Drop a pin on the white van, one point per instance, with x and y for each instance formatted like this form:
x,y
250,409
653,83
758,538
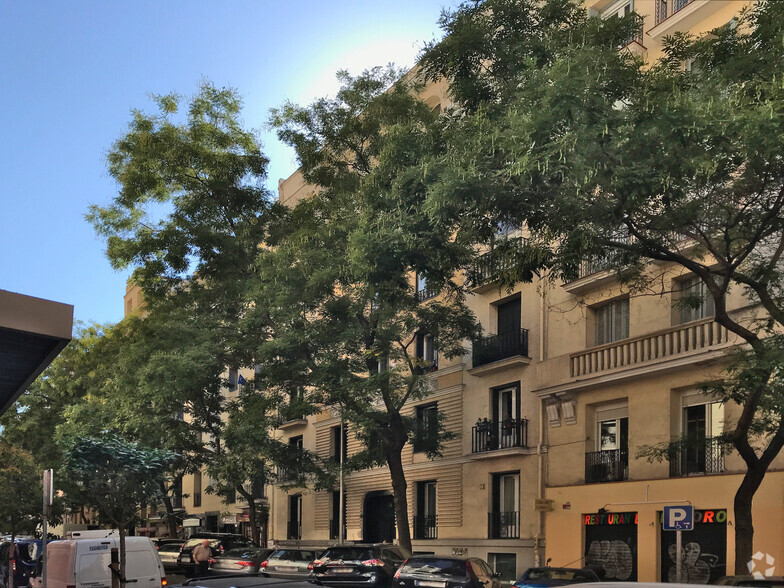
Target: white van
x,y
84,563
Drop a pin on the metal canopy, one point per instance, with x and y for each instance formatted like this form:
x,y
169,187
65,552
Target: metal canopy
x,y
32,332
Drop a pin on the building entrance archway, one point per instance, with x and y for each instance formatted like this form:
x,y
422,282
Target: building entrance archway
x,y
378,518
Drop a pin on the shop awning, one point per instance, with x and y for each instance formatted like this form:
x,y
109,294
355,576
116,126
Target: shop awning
x,y
32,332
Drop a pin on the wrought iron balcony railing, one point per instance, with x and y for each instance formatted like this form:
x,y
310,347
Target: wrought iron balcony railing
x,y
488,267
426,294
697,457
294,530
503,525
666,8
426,527
606,466
497,347
489,435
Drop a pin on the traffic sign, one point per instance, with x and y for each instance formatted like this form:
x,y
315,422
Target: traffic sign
x,y
678,518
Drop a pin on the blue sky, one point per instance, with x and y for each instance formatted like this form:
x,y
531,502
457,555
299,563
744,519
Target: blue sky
x,y
72,71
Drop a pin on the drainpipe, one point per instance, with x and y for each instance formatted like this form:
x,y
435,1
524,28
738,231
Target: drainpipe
x,y
539,487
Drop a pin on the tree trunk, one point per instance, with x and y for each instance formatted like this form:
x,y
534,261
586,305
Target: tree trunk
x,y
122,530
744,529
171,520
395,443
254,526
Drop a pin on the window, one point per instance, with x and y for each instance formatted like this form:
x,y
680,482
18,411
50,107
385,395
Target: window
x,y
426,522
423,292
506,229
176,493
612,322
197,489
508,316
334,523
426,351
232,380
295,517
610,460
701,424
231,496
504,564
339,443
505,513
426,433
693,300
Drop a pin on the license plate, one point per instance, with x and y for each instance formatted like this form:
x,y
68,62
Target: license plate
x,y
341,570
285,569
429,584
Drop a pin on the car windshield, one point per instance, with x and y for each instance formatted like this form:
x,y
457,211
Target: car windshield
x,y
191,543
294,555
447,567
28,552
558,574
347,553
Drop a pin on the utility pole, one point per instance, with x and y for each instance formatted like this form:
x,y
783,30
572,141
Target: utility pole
x,y
341,498
45,514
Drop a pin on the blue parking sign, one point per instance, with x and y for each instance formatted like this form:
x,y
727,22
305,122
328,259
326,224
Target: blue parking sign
x,y
678,518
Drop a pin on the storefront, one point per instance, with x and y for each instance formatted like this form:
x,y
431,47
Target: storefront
x,y
611,544
704,549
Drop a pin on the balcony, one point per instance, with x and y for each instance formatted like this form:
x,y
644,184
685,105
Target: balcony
x,y
669,344
607,466
426,527
488,267
503,525
426,294
697,457
499,347
489,435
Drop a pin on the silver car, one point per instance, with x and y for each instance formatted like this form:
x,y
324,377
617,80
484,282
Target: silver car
x,y
169,553
288,563
239,560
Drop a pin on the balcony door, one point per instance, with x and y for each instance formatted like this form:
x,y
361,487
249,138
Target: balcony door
x,y
509,317
506,415
506,506
701,423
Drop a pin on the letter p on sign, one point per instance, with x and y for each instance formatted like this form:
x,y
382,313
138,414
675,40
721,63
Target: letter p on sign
x,y
678,518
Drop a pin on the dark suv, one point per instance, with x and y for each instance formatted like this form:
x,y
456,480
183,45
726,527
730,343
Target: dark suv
x,y
27,553
219,542
358,564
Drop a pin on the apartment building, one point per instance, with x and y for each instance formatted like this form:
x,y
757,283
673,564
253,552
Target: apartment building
x,y
196,509
552,408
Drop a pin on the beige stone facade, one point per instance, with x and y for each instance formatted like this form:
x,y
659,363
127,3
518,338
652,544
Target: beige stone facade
x,y
552,474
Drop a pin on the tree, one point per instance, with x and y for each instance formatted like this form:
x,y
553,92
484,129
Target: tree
x,y
336,293
196,264
20,497
117,478
602,156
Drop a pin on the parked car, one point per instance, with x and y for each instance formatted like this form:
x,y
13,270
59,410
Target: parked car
x,y
288,563
169,553
219,543
23,565
239,560
538,577
764,582
362,564
439,572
